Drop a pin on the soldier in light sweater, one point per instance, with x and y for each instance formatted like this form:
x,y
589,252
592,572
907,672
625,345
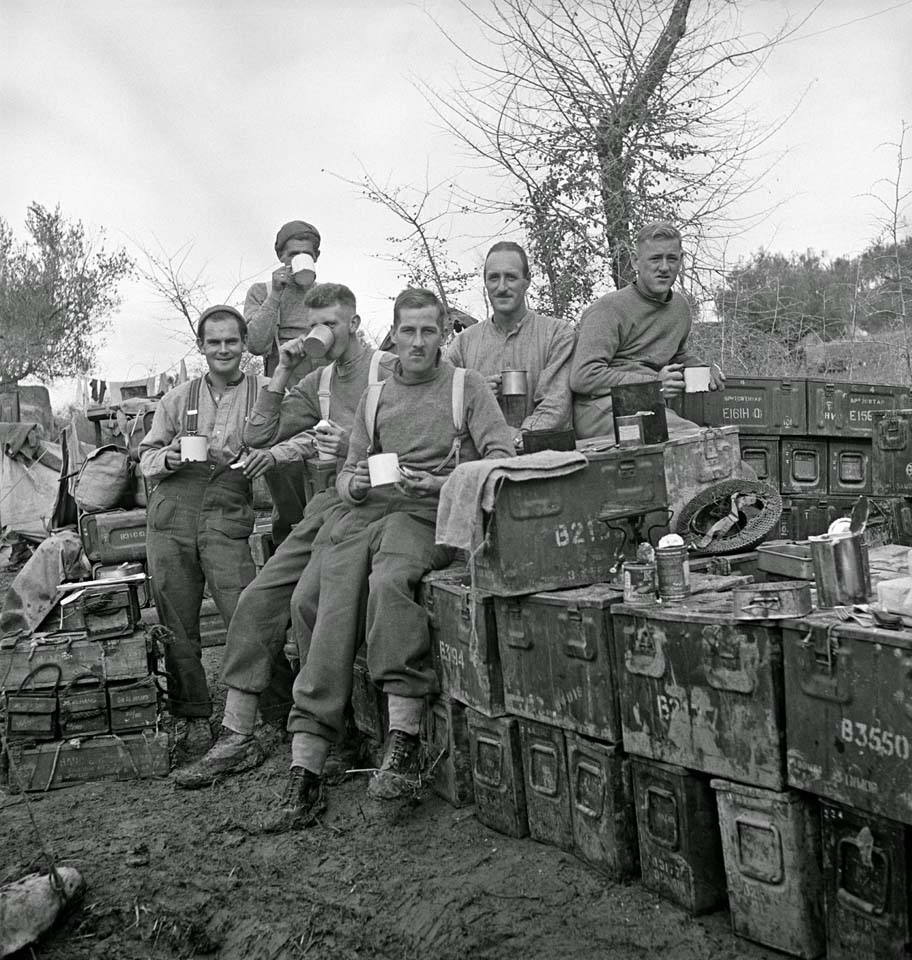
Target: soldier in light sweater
x,y
638,333
385,544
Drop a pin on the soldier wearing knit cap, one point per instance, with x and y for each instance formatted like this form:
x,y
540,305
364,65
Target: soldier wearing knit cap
x,y
276,313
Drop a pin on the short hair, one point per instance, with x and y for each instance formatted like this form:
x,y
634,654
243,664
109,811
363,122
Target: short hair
x,y
328,295
508,246
220,311
416,298
659,230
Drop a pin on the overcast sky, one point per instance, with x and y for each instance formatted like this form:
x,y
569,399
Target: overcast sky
x,y
212,123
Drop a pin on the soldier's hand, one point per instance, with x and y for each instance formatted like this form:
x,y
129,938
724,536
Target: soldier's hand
x,y
173,460
257,462
332,440
672,377
418,483
281,277
292,352
360,483
494,382
716,377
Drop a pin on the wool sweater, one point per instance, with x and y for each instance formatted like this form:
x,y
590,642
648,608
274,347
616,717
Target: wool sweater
x,y
277,314
540,345
276,417
627,337
415,420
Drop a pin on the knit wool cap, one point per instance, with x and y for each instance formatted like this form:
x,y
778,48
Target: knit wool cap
x,y
222,308
297,230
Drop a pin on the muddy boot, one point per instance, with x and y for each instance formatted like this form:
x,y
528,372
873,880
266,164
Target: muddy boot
x,y
300,805
398,776
231,753
192,738
341,758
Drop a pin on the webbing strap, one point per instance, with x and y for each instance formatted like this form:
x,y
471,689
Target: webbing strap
x,y
324,392
253,391
372,394
459,376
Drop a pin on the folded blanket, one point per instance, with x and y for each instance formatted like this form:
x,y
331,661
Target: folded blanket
x,y
472,487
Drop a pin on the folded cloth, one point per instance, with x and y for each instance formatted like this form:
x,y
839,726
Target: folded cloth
x,y
472,487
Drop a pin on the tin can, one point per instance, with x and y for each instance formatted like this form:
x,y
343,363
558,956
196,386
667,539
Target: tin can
x,y
639,583
672,573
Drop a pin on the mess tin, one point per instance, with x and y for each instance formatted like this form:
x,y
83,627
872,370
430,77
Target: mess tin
x,y
194,448
513,383
778,600
318,341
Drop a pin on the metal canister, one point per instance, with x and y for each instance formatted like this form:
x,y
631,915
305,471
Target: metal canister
x,y
639,583
841,570
672,572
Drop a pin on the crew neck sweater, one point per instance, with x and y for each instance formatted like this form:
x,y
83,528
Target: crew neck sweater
x,y
415,420
627,337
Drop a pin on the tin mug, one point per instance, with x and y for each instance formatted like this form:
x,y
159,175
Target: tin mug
x,y
320,454
697,379
303,269
384,469
318,341
194,448
513,383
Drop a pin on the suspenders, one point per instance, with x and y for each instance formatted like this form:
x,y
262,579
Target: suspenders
x,y
372,402
324,392
191,414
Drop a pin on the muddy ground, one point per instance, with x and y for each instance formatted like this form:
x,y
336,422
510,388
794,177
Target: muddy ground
x,y
179,875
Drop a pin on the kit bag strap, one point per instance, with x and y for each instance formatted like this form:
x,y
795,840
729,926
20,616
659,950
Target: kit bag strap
x,y
458,404
191,417
371,403
253,391
324,392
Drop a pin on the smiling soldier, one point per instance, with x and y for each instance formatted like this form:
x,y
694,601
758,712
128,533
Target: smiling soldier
x,y
636,334
517,338
200,513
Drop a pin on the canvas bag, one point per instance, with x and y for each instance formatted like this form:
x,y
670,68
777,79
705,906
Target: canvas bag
x,y
104,479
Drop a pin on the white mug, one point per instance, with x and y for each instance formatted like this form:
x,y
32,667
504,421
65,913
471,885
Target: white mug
x,y
194,448
320,454
384,469
697,379
303,269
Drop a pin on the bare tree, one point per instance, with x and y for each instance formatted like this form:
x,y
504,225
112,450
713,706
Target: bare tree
x,y
601,116
423,252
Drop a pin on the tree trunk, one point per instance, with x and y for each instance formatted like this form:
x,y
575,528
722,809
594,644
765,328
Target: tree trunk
x,y
611,132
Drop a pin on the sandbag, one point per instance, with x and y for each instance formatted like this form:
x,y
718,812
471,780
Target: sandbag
x,y
104,479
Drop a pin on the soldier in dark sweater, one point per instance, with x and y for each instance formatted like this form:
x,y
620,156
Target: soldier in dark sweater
x,y
638,333
385,544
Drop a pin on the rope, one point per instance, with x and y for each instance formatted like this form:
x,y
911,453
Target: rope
x,y
57,884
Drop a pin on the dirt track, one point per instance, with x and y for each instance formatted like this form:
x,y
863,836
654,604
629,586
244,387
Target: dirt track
x,y
184,875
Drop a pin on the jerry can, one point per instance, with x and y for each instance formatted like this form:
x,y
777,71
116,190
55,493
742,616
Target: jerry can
x,y
554,533
602,807
678,829
133,705
866,863
497,773
771,844
556,651
464,644
701,690
447,748
848,698
804,467
850,409
83,707
544,756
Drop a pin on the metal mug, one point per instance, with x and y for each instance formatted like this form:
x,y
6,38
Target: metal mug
x,y
318,341
194,448
320,454
303,269
840,569
513,383
697,379
384,469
